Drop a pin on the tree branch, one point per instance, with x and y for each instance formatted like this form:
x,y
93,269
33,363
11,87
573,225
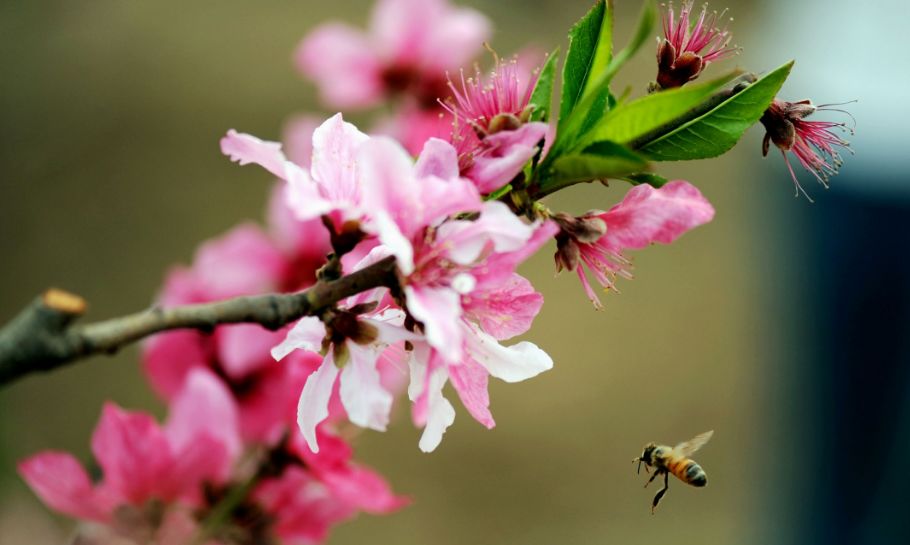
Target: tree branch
x,y
42,337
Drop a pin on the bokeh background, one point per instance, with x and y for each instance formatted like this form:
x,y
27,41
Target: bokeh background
x,y
783,325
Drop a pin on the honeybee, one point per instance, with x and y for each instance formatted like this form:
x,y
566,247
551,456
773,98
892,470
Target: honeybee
x,y
675,460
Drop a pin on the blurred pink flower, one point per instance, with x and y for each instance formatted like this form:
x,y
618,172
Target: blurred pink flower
x,y
687,48
243,262
412,126
318,491
408,49
141,461
646,215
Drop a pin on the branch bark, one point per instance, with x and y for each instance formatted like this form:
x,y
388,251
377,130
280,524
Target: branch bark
x,y
42,337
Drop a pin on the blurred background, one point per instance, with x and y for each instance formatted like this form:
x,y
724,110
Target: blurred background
x,y
782,325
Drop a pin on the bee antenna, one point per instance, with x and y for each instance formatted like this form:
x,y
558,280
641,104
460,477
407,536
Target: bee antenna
x,y
637,471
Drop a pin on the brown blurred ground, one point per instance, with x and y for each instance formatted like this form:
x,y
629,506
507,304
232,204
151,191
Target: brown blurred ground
x,y
110,113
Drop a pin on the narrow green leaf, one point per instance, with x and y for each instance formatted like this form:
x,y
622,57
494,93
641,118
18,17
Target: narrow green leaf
x,y
583,39
633,119
598,162
603,53
542,96
654,180
718,130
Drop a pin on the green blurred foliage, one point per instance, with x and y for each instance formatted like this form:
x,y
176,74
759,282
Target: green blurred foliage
x,y
110,115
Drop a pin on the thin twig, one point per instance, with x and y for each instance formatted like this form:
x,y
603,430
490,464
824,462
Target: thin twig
x,y
42,337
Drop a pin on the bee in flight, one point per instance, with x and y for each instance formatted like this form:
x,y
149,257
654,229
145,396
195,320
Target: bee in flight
x,y
675,460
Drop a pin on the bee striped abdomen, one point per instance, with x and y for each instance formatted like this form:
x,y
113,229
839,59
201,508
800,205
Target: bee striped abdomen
x,y
688,471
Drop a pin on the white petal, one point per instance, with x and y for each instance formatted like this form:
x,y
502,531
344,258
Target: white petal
x,y
440,413
365,400
307,334
313,407
509,363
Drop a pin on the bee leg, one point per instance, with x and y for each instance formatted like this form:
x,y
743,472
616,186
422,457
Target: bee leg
x,y
653,476
661,492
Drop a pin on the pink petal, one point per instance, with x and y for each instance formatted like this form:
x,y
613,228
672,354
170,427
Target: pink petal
x,y
134,455
168,357
498,268
244,349
246,148
439,309
313,407
503,155
470,381
306,240
504,310
365,400
364,489
456,39
269,409
205,409
647,215
244,261
438,158
63,485
344,64
336,144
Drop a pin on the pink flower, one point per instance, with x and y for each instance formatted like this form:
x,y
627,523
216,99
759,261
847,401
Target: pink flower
x,y
408,49
330,187
243,262
491,129
813,142
687,48
501,305
141,461
353,346
317,491
596,241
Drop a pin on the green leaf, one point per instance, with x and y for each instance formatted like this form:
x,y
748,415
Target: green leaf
x,y
636,118
718,130
583,43
542,96
654,180
603,53
596,102
494,196
597,162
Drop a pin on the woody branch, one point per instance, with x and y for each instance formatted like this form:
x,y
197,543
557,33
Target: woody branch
x,y
43,337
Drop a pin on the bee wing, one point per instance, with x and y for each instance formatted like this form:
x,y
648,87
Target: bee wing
x,y
687,448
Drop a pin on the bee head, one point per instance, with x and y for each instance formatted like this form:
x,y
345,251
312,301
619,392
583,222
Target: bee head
x,y
646,456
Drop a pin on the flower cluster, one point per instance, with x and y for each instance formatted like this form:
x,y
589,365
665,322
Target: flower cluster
x,y
447,194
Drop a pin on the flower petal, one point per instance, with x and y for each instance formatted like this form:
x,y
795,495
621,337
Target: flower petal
x,y
439,309
440,413
63,485
344,64
313,407
504,310
509,363
307,334
204,409
470,381
365,400
246,148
